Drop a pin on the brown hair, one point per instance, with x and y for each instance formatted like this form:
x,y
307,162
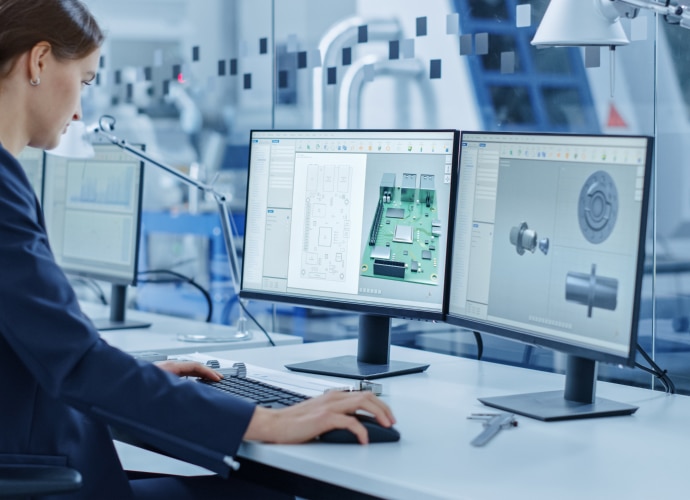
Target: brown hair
x,y
67,25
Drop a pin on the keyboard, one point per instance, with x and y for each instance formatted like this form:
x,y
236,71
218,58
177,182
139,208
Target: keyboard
x,y
236,383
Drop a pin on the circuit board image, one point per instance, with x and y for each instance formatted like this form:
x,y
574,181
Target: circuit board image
x,y
403,242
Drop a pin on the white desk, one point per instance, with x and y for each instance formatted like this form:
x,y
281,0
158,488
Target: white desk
x,y
639,456
161,336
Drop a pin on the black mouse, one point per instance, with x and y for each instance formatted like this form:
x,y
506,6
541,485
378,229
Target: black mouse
x,y
377,433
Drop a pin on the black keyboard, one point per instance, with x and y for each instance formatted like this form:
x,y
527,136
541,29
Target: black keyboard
x,y
260,393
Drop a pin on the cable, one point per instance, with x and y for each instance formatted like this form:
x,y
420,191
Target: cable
x,y
244,308
184,279
480,344
225,316
94,287
655,370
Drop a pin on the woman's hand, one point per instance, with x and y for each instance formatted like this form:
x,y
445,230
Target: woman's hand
x,y
306,420
189,369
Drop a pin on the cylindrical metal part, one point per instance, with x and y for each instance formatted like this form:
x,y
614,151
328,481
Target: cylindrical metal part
x,y
591,290
523,238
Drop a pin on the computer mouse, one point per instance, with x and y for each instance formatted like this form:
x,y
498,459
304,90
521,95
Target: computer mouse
x,y
377,433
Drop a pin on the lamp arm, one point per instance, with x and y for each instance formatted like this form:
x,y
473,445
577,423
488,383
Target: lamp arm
x,y
672,11
107,123
228,233
121,143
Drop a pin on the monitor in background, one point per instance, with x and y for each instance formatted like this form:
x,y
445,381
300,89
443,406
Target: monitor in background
x,y
31,160
92,211
352,220
548,249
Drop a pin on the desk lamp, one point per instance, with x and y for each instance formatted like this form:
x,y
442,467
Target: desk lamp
x,y
76,143
568,23
597,22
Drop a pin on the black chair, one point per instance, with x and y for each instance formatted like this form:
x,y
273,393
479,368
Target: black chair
x,y
28,480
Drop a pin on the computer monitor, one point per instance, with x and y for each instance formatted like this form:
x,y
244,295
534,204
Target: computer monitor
x,y
31,160
355,220
92,209
548,249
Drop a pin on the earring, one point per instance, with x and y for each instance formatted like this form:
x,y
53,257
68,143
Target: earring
x,y
36,82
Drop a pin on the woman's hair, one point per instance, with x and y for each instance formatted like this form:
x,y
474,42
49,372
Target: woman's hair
x,y
67,25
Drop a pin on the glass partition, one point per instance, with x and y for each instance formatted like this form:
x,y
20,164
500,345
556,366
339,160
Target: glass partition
x,y
191,78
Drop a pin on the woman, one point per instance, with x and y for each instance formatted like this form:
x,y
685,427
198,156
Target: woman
x,y
63,385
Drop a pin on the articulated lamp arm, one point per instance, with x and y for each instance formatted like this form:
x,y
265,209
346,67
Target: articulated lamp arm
x,y
106,124
672,12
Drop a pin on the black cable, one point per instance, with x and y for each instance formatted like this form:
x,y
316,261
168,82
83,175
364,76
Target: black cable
x,y
244,308
181,278
655,370
225,317
94,287
480,344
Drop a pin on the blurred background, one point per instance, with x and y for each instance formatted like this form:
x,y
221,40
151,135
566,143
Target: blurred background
x,y
191,78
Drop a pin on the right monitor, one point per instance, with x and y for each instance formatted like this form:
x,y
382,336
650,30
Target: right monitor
x,y
548,249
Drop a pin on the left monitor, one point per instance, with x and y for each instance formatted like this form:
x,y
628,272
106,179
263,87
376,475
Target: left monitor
x,y
92,209
353,220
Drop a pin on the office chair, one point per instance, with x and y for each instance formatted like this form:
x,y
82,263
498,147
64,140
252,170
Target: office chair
x,y
20,480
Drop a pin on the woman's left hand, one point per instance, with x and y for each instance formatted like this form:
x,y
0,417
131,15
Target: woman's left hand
x,y
189,369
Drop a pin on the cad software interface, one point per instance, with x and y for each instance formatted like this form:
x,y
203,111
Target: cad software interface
x,y
547,235
92,210
349,216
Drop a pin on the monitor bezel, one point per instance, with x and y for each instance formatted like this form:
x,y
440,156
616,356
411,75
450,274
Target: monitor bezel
x,y
402,312
535,339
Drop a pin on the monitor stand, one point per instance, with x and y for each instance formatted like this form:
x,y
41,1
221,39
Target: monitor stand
x,y
373,355
577,401
118,306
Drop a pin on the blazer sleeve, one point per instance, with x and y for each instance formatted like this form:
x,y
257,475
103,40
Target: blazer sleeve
x,y
42,322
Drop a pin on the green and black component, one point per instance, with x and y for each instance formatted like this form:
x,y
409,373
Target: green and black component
x,y
374,233
404,236
392,269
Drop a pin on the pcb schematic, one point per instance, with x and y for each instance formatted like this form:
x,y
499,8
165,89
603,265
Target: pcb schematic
x,y
327,224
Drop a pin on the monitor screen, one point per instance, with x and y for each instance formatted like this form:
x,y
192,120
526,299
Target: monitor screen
x,y
31,160
549,240
92,210
351,219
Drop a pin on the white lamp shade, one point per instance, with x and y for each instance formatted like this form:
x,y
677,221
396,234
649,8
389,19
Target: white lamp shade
x,y
579,23
74,143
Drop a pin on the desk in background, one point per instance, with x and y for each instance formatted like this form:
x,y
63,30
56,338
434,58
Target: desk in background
x,y
161,336
639,456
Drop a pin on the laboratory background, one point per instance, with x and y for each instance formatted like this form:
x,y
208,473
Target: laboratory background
x,y
191,78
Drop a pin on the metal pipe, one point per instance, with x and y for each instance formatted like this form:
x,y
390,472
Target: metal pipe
x,y
405,71
337,37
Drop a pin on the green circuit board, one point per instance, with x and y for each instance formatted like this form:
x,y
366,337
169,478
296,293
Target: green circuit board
x,y
403,242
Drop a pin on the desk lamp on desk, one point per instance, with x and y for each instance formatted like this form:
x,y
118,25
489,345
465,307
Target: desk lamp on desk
x,y
77,143
551,253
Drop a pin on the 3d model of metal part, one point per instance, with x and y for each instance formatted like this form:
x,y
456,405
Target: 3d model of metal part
x,y
524,238
591,290
597,208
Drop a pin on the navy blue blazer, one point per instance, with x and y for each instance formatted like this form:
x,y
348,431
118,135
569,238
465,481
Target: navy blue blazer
x,y
62,385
